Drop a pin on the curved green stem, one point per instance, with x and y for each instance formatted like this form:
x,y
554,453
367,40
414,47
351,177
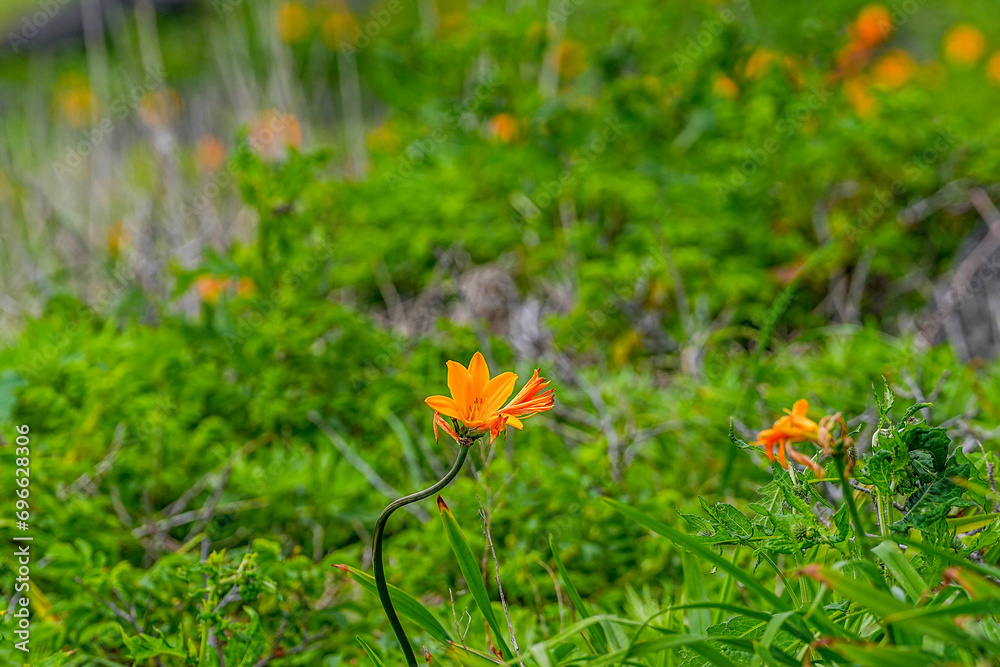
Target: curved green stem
x,y
852,508
380,584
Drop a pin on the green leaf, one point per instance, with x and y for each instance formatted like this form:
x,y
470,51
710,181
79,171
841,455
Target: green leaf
x,y
735,439
871,655
883,604
404,603
878,470
369,651
706,554
469,566
913,409
735,521
886,400
246,644
146,647
10,382
694,591
597,634
932,502
901,569
918,437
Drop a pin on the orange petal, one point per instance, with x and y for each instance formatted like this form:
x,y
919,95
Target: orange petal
x,y
781,455
497,391
444,405
459,383
480,373
806,461
800,408
515,422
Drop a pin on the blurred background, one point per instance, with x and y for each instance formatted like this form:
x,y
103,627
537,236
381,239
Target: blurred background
x,y
241,238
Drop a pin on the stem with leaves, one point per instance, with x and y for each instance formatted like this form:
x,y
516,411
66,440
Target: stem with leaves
x,y
380,583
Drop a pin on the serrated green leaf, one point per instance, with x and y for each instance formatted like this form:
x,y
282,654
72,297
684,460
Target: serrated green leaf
x,y
735,521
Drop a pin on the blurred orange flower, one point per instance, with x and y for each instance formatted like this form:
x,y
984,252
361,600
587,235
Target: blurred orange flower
x,y
760,62
292,19
337,30
117,237
873,26
159,108
503,127
245,287
723,86
993,68
476,400
210,153
571,59
273,133
964,44
384,138
856,89
452,23
76,101
795,426
893,69
210,288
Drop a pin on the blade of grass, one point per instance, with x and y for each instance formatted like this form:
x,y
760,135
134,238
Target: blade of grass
x,y
901,569
407,605
370,652
469,566
596,633
694,591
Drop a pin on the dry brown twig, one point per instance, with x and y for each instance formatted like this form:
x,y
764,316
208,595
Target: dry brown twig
x,y
487,519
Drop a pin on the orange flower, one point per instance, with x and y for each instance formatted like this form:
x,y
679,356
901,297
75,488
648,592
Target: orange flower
x,y
337,28
723,86
273,133
964,45
760,62
77,102
159,108
475,402
793,427
570,58
893,69
210,153
873,25
210,288
860,97
993,68
503,127
292,20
